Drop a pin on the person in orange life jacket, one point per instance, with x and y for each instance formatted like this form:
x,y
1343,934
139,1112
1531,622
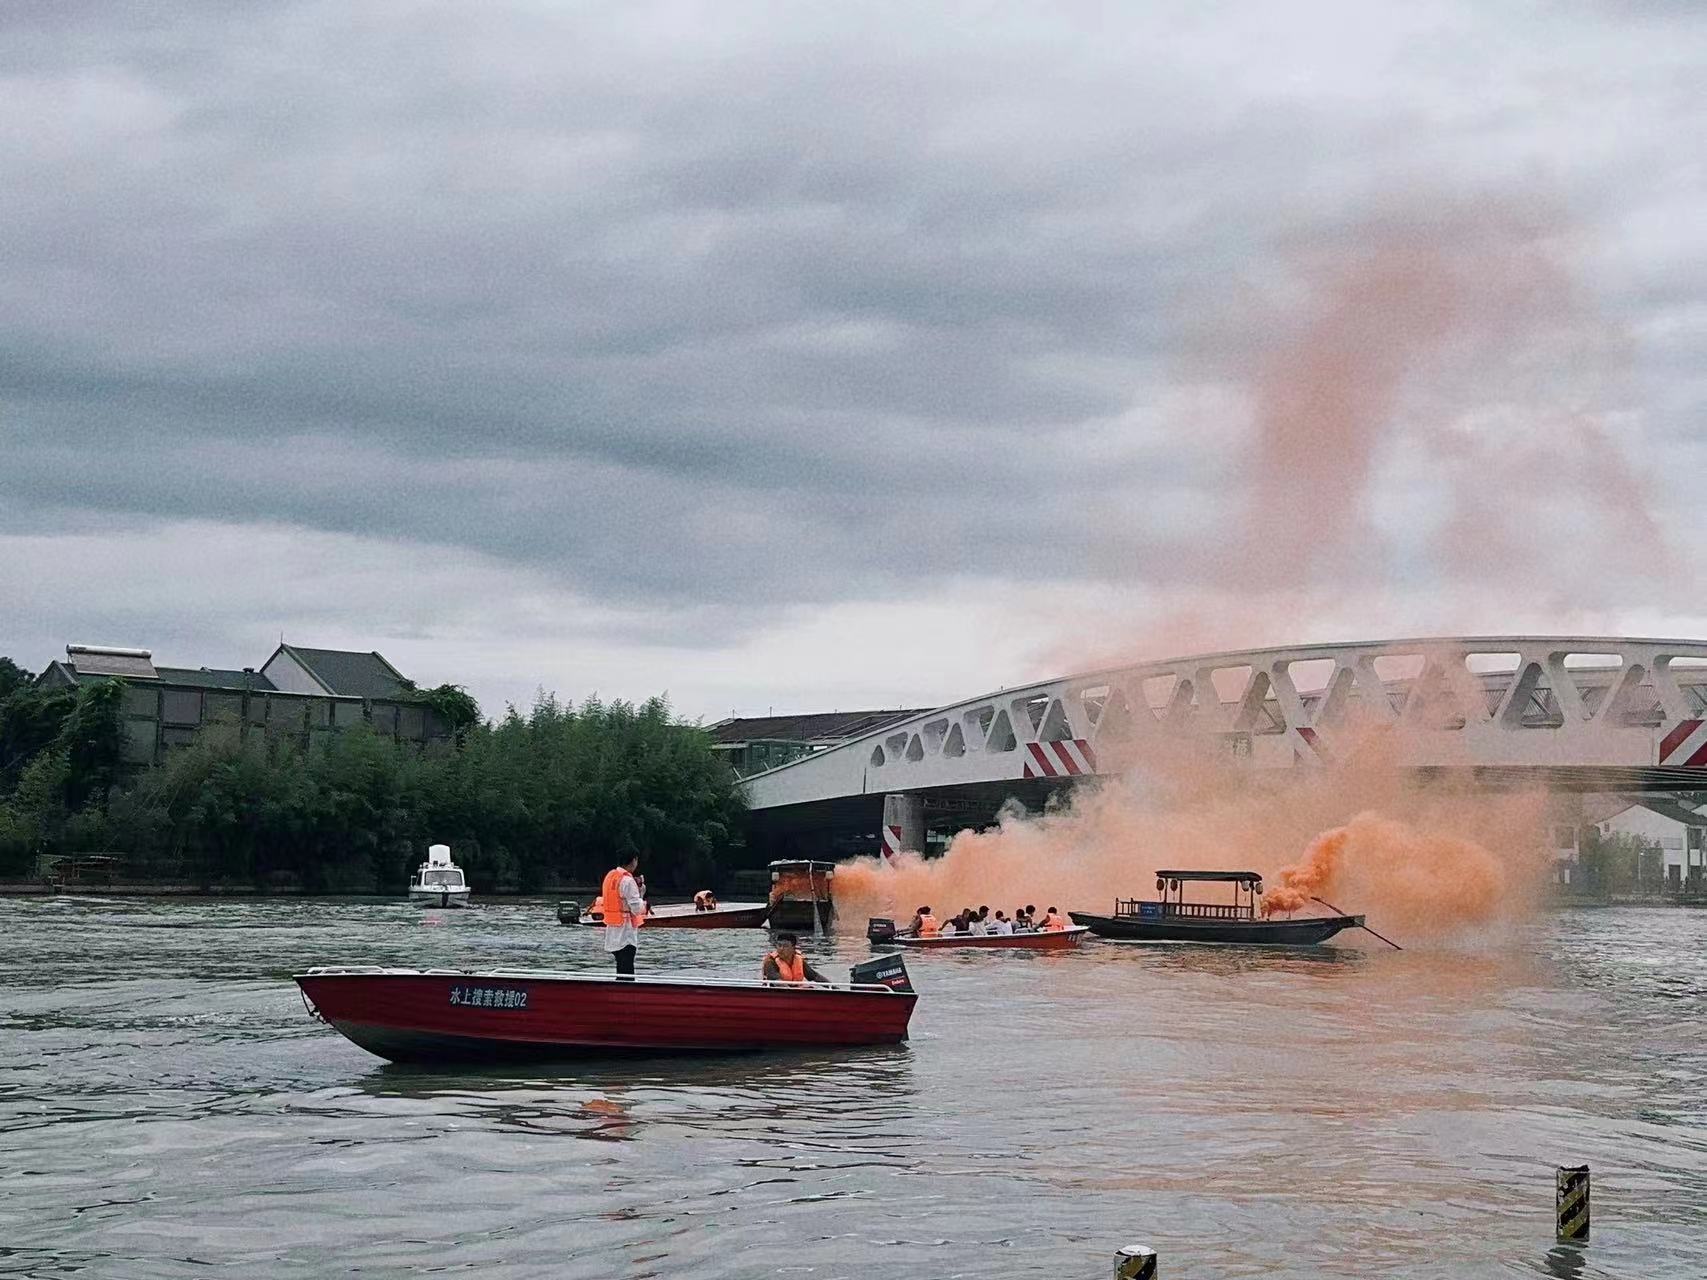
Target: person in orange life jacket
x,y
705,900
925,925
1053,920
624,913
786,964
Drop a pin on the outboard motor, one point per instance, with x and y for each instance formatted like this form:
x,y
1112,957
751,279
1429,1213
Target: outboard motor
x,y
880,929
568,913
889,970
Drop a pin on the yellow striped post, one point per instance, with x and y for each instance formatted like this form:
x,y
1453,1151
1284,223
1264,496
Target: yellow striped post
x,y
1135,1262
1573,1204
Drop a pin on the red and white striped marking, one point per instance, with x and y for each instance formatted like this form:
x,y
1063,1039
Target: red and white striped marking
x,y
1069,758
1685,744
891,843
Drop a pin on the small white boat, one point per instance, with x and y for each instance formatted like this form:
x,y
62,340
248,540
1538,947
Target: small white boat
x,y
438,881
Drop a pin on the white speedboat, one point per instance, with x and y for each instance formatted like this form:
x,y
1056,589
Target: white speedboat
x,y
439,882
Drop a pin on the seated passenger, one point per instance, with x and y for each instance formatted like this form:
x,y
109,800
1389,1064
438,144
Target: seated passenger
x,y
925,925
1001,924
786,964
705,900
975,926
1054,920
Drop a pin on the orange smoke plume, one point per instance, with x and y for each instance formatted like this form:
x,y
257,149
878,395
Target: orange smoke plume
x,y
1428,879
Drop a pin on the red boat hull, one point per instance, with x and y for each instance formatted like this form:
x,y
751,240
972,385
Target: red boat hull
x,y
1043,940
732,917
423,1017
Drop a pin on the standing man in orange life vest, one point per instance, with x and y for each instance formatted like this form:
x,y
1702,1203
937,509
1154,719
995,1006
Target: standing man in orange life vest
x,y
786,964
624,912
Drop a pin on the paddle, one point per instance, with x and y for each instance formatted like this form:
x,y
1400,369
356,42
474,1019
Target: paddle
x,y
1331,907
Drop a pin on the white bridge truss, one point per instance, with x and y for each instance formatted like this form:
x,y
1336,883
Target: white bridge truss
x,y
1630,710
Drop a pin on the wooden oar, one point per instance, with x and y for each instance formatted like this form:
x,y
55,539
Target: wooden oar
x,y
1331,907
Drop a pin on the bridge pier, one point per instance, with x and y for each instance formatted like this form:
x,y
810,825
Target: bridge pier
x,y
903,824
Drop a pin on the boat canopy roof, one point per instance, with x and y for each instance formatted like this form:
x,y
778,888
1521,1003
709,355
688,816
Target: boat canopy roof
x,y
1242,877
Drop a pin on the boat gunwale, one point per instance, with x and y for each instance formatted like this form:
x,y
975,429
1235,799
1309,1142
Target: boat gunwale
x,y
573,976
993,941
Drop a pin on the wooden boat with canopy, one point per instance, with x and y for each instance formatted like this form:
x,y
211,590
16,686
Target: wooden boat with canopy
x,y
1173,919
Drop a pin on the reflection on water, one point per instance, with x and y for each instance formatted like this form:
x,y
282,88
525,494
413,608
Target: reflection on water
x,y
166,1106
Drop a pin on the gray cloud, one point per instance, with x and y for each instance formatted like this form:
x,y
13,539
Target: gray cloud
x,y
712,306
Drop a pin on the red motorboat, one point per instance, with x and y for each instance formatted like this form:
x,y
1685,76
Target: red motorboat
x,y
731,915
408,1015
1037,940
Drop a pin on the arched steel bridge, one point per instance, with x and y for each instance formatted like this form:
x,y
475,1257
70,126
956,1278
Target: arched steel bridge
x,y
1575,713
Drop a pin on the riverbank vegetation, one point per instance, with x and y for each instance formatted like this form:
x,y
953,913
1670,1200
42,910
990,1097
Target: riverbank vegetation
x,y
531,800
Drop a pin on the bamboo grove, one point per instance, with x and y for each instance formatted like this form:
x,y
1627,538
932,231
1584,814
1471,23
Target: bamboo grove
x,y
530,800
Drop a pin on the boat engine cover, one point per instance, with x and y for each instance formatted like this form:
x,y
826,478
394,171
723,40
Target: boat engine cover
x,y
880,929
889,970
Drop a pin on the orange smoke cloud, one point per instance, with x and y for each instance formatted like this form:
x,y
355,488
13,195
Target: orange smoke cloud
x,y
1429,880
1423,863
1448,339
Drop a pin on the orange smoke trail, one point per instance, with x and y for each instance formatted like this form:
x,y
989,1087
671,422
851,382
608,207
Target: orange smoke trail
x,y
1423,863
1431,880
1450,338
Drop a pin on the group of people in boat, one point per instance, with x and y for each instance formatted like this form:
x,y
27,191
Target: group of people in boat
x,y
977,922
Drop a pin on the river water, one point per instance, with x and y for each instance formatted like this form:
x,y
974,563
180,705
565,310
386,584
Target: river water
x,y
167,1107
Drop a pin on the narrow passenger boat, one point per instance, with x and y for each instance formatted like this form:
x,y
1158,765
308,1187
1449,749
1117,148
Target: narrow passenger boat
x,y
1173,919
1035,940
726,915
410,1015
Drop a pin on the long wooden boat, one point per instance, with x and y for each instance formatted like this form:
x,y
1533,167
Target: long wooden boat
x,y
1173,919
410,1015
728,915
1037,940
1304,932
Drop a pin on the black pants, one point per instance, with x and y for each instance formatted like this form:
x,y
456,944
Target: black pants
x,y
624,961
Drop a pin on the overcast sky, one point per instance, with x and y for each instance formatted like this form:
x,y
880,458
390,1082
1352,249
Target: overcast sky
x,y
804,356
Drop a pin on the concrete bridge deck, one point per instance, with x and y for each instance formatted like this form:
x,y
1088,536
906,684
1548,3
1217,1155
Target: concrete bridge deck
x,y
1573,713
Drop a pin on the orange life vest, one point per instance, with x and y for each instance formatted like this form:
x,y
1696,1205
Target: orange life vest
x,y
616,915
1053,921
928,927
788,970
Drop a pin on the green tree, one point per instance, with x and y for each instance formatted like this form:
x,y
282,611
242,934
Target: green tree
x,y
1619,862
31,719
12,677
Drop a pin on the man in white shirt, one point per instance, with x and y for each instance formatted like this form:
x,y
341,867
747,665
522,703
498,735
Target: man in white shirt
x,y
1001,924
624,912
